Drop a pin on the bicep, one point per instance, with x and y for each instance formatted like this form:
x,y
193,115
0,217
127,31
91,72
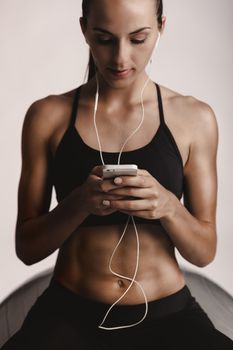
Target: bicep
x,y
35,184
200,190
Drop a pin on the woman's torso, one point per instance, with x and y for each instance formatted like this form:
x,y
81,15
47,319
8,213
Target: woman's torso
x,y
82,263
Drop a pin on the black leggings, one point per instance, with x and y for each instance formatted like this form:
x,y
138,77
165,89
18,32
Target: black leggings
x,y
62,320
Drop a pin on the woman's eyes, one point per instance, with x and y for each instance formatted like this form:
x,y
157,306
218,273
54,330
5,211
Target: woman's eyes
x,y
110,41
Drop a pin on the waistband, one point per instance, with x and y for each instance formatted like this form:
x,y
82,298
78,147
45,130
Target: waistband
x,y
92,311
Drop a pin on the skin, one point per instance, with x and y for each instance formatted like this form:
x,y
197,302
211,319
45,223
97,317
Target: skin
x,y
84,252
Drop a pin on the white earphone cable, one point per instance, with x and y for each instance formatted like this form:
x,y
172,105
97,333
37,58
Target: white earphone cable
x,y
135,227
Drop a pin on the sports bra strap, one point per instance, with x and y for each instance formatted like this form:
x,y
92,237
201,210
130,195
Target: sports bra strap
x,y
74,107
160,103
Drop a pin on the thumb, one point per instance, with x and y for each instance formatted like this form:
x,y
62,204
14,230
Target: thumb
x,y
97,170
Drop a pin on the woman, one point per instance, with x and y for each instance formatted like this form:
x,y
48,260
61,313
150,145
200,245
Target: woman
x,y
174,144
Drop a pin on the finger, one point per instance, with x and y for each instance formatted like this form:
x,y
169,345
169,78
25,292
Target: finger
x,y
97,183
104,207
111,197
98,187
97,170
133,181
143,172
106,185
106,202
131,205
103,186
134,192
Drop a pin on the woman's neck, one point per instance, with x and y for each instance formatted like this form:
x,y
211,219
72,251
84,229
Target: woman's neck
x,y
123,94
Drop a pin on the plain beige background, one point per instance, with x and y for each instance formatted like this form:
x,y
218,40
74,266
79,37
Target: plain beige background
x,y
43,52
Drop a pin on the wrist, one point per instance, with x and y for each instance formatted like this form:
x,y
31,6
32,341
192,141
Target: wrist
x,y
79,200
170,208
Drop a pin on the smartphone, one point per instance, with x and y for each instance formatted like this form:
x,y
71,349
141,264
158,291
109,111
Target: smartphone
x,y
113,170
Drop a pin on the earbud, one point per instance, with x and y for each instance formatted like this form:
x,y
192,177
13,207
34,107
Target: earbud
x,y
156,45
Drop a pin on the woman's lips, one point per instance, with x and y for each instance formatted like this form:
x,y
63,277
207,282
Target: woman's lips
x,y
120,73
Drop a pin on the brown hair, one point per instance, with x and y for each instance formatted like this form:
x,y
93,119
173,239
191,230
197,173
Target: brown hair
x,y
85,12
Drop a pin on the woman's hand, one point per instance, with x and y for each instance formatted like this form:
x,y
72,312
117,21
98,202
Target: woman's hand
x,y
142,196
95,193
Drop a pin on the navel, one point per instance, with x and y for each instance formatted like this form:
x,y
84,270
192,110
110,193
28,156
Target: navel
x,y
120,283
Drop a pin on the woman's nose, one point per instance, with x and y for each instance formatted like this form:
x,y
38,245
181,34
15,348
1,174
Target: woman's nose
x,y
121,53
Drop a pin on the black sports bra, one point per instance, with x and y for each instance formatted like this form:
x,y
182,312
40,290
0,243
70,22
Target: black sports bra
x,y
74,160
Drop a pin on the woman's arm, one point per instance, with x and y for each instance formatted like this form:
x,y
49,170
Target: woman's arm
x,y
39,232
193,228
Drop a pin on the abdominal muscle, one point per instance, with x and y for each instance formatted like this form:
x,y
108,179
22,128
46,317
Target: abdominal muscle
x,y
83,264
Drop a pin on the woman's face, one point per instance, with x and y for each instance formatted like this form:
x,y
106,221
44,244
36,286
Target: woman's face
x,y
121,35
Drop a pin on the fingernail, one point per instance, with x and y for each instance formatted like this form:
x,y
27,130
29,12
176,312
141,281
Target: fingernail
x,y
117,180
106,202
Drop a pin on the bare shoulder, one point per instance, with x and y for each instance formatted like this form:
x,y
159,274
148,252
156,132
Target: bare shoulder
x,y
45,115
191,121
192,113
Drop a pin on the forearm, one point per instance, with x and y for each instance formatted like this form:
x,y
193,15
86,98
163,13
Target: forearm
x,y
39,237
194,239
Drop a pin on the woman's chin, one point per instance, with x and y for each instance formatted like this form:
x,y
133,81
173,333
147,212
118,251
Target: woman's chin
x,y
114,80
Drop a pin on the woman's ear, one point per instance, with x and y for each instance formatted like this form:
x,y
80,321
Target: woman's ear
x,y
164,19
83,25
